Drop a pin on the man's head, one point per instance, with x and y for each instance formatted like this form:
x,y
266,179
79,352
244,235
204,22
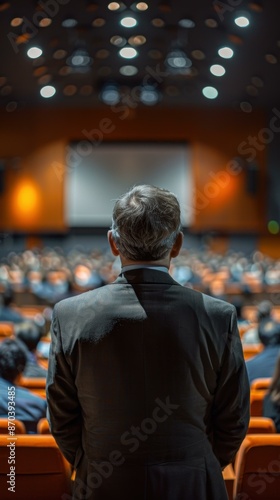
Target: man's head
x,y
146,225
29,333
12,360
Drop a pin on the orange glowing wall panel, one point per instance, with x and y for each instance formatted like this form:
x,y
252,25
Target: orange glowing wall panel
x,y
33,197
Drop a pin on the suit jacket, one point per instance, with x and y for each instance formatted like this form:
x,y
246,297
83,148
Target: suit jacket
x,y
263,364
147,389
29,408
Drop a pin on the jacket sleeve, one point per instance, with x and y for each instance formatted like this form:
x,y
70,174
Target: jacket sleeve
x,y
64,412
231,407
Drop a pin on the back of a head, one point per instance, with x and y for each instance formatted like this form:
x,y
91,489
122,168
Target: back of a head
x,y
29,333
264,310
12,359
269,332
146,222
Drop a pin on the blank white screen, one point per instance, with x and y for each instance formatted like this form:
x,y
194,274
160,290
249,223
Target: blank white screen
x,y
111,169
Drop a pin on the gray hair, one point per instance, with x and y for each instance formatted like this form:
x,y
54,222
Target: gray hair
x,y
146,222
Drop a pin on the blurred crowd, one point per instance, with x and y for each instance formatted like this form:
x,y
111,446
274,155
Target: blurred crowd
x,y
52,274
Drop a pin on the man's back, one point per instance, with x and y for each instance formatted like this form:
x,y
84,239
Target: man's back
x,y
153,387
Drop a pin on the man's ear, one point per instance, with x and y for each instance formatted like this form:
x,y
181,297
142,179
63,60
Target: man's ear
x,y
177,245
113,246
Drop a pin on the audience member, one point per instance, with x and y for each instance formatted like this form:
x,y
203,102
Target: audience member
x,y
7,313
30,334
263,316
263,364
271,403
29,408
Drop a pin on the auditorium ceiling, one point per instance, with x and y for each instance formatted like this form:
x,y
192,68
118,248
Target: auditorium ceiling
x,y
79,53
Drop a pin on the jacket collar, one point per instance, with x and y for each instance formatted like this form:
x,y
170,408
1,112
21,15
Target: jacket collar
x,y
145,275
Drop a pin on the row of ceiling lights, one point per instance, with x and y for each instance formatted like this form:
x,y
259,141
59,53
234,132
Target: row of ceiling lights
x,y
175,60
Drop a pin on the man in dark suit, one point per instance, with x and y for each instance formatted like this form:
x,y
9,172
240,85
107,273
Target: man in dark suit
x,y
23,404
147,388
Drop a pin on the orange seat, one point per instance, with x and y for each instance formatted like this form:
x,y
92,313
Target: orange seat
x,y
256,403
251,350
257,468
42,473
260,384
43,426
6,329
35,385
7,426
261,425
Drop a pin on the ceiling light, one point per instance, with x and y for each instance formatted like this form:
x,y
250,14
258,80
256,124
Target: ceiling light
x,y
246,107
211,23
128,52
47,91
70,90
137,40
210,92
45,22
113,6
43,80
128,22
198,54
99,22
142,6
257,81
149,95
6,90
11,106
158,22
242,21
79,59
59,54
128,70
110,95
177,59
270,58
252,90
69,23
217,70
34,52
117,40
225,52
86,90
186,23
16,21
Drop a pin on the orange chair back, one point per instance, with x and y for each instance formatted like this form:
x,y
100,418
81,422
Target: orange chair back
x,y
259,384
15,425
257,468
261,425
35,385
256,403
251,350
43,426
42,473
6,329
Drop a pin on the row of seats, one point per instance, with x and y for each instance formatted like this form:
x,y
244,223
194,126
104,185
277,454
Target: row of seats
x,y
42,472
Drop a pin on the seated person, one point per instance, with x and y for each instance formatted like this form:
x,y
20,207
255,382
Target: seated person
x,y
271,402
7,313
263,364
30,334
263,315
29,408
